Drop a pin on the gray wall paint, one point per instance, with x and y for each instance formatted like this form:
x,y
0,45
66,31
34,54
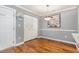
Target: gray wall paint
x,y
65,35
19,29
78,18
68,22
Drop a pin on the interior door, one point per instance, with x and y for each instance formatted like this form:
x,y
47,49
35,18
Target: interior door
x,y
6,27
35,27
19,29
30,27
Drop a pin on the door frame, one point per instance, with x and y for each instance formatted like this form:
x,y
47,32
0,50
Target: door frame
x,y
33,18
14,25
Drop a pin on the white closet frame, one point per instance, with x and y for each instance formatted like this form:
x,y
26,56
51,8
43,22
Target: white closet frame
x,y
5,10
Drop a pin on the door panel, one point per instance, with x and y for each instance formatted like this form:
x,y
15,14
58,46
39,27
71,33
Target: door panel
x,y
6,27
30,27
19,29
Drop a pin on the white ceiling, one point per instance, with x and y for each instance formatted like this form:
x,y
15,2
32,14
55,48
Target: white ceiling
x,y
42,10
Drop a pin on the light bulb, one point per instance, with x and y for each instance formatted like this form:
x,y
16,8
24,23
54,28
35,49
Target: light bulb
x,y
47,18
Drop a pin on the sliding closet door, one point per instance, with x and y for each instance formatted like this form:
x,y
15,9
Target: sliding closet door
x,y
30,27
6,27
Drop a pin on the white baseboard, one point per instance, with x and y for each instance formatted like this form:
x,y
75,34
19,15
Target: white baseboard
x,y
23,42
57,40
5,48
19,44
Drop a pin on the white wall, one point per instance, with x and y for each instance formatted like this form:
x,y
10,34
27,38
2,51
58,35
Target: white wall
x,y
69,20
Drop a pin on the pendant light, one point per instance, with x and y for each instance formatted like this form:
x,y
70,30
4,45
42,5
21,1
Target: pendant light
x,y
47,18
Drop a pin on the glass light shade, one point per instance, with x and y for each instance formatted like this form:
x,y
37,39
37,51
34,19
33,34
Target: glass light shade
x,y
47,18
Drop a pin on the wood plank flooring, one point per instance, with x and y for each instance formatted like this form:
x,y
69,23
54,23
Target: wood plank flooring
x,y
42,45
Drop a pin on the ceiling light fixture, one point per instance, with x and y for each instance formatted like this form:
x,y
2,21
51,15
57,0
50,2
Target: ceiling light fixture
x,y
47,17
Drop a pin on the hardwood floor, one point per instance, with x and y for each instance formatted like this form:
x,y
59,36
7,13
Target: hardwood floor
x,y
42,45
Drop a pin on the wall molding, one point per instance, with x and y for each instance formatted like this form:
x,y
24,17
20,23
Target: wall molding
x,y
66,9
59,11
57,40
26,9
56,30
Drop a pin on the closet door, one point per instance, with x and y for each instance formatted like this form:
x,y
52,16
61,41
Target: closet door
x,y
30,27
19,29
6,27
35,27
